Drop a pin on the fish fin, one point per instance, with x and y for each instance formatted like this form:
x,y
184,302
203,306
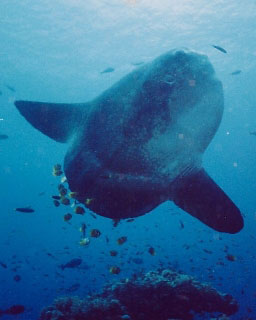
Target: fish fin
x,y
201,197
56,120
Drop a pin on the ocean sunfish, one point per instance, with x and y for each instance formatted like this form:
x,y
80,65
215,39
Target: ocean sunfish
x,y
140,143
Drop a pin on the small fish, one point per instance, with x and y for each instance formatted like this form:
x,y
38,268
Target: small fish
x,y
73,194
10,88
113,253
116,222
137,260
130,220
253,133
67,217
121,240
152,251
106,176
95,233
79,210
83,229
137,63
92,215
56,197
56,203
63,179
56,170
88,201
114,270
74,263
65,201
3,265
236,72
13,310
57,173
73,288
181,225
84,242
57,167
108,70
27,210
17,278
3,136
230,257
63,192
207,251
219,48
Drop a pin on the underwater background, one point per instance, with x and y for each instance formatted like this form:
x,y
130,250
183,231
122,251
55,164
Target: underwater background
x,y
56,51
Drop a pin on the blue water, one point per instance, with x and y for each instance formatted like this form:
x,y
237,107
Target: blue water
x,y
54,51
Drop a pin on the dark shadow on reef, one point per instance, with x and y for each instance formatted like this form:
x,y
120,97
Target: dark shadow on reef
x,y
156,295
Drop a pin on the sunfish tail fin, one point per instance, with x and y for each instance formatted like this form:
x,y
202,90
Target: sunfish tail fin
x,y
56,120
201,197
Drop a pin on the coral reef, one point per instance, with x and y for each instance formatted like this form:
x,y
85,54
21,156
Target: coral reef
x,y
156,295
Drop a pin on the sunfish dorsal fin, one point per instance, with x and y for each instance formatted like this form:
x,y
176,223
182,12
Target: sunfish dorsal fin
x,y
56,120
201,197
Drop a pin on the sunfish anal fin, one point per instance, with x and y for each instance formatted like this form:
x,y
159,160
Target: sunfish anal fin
x,y
201,197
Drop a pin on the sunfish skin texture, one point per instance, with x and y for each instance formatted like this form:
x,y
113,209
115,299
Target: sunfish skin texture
x,y
141,142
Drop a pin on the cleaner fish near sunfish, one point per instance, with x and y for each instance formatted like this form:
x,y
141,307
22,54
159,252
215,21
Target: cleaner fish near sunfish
x,y
141,142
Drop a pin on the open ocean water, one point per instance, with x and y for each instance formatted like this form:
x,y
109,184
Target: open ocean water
x,y
56,51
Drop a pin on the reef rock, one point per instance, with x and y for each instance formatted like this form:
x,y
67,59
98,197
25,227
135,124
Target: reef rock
x,y
156,295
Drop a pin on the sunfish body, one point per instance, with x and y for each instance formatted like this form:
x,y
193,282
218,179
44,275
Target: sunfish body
x,y
141,142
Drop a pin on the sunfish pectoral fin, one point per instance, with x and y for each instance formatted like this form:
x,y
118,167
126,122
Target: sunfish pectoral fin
x,y
201,197
56,120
